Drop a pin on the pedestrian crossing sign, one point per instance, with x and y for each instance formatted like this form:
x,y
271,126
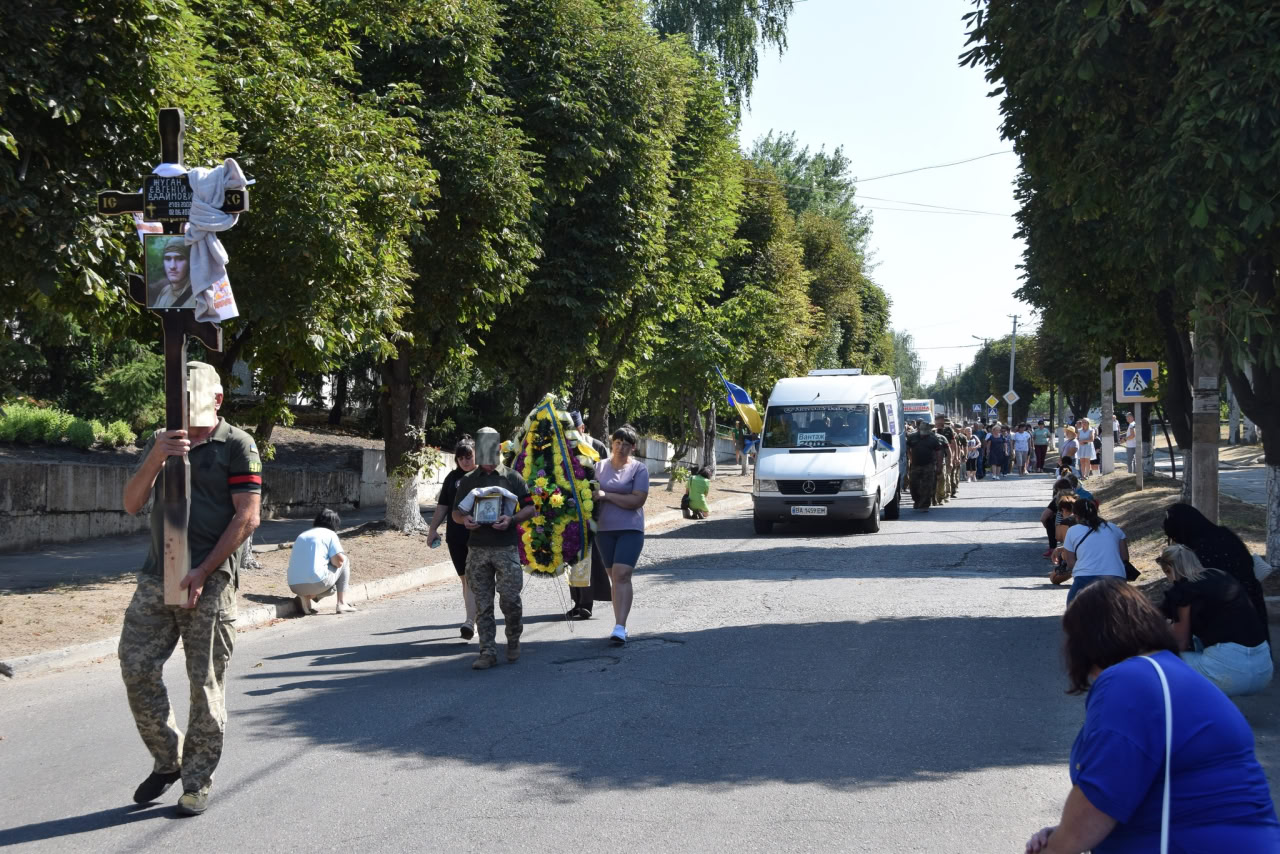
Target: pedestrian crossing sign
x,y
993,413
1136,382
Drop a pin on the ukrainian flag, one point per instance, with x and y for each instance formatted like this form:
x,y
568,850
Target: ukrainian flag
x,y
742,404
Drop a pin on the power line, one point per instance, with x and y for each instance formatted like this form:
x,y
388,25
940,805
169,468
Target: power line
x,y
939,207
936,208
938,166
918,210
948,347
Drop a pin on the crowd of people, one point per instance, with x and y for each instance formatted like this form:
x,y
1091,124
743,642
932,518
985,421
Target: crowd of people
x,y
941,455
1163,753
1157,676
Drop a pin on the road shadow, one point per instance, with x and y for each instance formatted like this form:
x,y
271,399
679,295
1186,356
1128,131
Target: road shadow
x,y
842,704
87,823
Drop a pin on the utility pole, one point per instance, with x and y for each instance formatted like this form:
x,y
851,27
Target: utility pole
x,y
1207,370
1107,463
1013,349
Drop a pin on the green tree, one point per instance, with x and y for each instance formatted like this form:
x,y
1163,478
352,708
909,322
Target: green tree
x,y
906,363
729,30
475,253
321,264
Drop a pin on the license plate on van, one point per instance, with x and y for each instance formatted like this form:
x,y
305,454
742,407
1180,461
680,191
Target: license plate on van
x,y
808,510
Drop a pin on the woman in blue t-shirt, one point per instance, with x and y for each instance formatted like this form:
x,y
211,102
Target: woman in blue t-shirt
x,y
1219,797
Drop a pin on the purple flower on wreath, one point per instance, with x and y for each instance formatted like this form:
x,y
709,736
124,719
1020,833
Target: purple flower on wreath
x,y
542,472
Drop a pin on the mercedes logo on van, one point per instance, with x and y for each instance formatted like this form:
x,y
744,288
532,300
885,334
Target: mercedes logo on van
x,y
809,487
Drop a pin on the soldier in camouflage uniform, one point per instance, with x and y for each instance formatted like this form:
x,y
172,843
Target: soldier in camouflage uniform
x,y
493,563
940,489
923,447
226,486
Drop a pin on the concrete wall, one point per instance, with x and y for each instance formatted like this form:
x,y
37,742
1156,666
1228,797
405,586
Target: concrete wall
x,y
43,503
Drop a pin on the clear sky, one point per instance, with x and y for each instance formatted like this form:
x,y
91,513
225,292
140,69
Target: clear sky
x,y
881,78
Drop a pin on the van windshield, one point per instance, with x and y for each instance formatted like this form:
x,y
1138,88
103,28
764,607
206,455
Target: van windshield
x,y
830,426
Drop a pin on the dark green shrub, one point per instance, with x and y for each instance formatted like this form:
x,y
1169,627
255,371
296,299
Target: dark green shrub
x,y
134,392
118,434
82,434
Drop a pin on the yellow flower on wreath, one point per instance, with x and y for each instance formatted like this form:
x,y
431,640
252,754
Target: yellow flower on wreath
x,y
557,500
541,481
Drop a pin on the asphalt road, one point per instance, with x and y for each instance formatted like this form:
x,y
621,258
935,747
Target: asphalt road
x,y
809,691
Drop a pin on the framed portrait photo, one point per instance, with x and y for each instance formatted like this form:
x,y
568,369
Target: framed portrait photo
x,y
487,510
168,271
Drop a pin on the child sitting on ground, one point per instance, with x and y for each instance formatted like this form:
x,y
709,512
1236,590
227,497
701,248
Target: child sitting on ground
x,y
695,497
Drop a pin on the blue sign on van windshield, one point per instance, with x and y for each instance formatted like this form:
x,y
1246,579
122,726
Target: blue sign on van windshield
x,y
830,426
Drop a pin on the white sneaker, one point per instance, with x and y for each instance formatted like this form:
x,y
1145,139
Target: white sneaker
x,y
344,608
618,636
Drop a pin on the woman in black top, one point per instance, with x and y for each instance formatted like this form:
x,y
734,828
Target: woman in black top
x,y
455,535
1219,632
1050,518
1218,547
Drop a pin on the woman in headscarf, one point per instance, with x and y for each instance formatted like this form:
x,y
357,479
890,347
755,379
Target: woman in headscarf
x,y
1218,547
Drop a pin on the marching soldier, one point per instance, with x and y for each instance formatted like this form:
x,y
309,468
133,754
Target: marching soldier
x,y
923,449
226,487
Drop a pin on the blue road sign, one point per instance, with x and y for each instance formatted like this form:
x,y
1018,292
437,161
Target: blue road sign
x,y
1136,381
993,413
977,407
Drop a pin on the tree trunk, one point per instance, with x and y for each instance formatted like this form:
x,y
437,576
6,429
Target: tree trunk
x,y
1273,514
341,380
599,393
1053,408
695,423
1205,417
403,414
709,441
1257,387
274,398
1178,361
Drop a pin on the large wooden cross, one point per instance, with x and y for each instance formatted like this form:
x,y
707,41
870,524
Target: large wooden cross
x,y
167,200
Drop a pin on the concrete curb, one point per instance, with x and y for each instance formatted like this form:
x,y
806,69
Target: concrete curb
x,y
39,663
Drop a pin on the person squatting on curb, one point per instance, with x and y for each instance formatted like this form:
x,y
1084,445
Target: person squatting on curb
x,y
493,561
226,486
318,566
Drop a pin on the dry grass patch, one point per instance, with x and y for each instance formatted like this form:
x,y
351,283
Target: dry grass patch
x,y
1140,515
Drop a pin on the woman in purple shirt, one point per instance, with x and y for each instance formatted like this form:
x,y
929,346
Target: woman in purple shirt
x,y
624,486
1218,794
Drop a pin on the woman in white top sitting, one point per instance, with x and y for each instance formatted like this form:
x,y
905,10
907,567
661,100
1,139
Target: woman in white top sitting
x,y
1093,548
318,566
1088,453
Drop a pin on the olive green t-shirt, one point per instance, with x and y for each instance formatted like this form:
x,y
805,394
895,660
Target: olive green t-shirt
x,y
485,535
227,464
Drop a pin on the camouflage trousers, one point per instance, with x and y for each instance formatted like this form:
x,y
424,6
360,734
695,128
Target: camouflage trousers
x,y
940,482
150,634
490,570
920,480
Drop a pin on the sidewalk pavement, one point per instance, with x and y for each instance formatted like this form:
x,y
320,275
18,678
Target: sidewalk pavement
x,y
1245,483
79,563
111,557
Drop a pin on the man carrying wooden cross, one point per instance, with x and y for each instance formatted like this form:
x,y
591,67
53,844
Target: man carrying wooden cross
x,y
226,487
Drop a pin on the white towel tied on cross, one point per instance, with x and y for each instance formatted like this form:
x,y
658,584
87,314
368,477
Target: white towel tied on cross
x,y
209,282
